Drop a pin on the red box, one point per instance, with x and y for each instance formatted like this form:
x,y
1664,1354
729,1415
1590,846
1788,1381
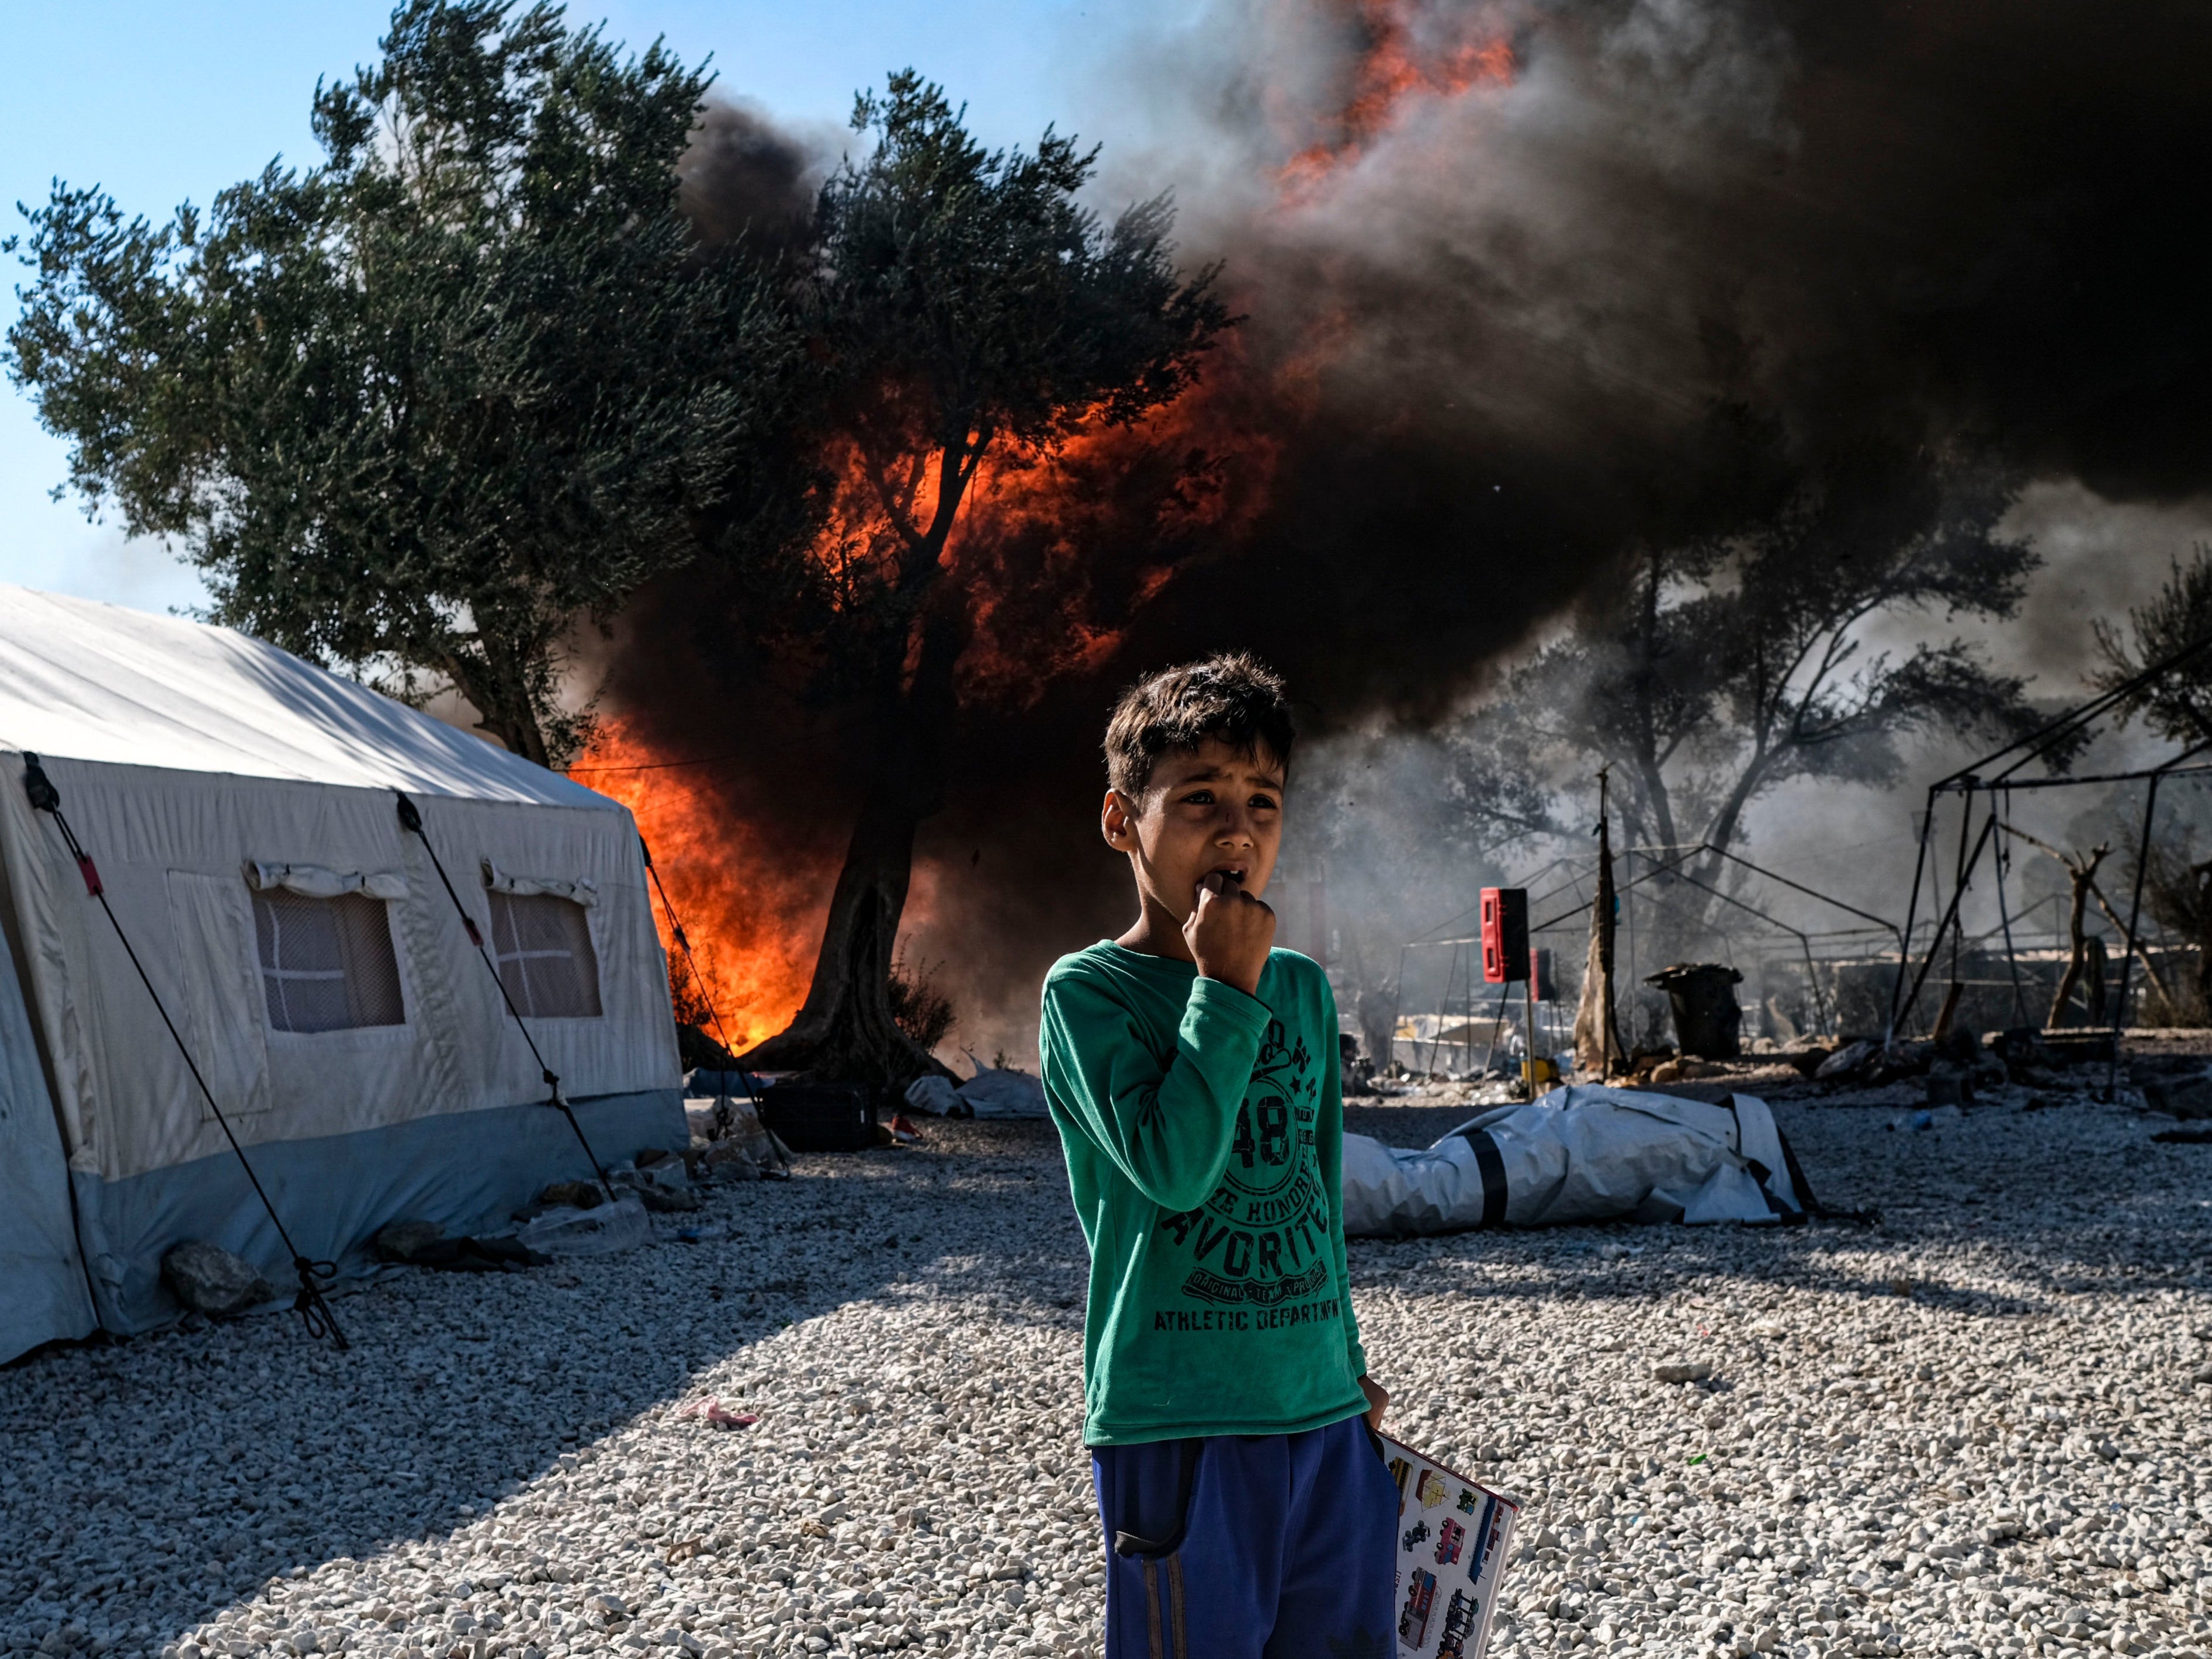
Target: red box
x,y
1504,935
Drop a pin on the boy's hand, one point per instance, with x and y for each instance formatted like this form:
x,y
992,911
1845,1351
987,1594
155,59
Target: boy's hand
x,y
1378,1402
1230,934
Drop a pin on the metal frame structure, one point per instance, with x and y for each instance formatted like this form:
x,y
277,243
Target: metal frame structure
x,y
1664,862
2050,743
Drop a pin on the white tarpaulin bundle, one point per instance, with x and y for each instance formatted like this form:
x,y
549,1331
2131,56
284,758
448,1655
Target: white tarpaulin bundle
x,y
1579,1154
239,805
993,1091
1005,1091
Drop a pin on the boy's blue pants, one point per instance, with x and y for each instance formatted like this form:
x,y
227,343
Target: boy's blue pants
x,y
1258,1546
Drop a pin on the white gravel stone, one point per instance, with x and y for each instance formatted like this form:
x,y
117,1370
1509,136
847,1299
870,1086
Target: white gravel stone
x,y
1978,1429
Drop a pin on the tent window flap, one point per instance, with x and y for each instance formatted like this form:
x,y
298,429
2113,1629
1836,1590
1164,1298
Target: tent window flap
x,y
312,881
543,945
574,889
327,964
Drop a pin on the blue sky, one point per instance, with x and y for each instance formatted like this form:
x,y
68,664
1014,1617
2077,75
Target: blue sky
x,y
162,102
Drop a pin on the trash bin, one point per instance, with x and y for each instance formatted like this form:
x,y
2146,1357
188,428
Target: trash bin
x,y
1707,1021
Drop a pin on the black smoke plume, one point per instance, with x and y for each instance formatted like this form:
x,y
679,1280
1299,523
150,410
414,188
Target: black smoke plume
x,y
748,181
1530,285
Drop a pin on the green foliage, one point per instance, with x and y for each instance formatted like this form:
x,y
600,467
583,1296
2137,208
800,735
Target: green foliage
x,y
922,1011
2179,705
424,408
961,304
965,301
1716,672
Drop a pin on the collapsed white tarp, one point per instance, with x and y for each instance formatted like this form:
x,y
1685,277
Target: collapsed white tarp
x,y
993,1091
1579,1154
1005,1091
221,786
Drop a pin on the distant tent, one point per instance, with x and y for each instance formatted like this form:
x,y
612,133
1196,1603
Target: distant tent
x,y
241,806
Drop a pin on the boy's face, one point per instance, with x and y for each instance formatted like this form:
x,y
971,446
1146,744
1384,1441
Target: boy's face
x,y
1202,812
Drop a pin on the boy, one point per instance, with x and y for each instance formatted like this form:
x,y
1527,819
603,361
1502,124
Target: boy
x,y
1193,1073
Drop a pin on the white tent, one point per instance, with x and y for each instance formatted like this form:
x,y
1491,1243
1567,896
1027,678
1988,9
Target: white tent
x,y
43,1291
241,807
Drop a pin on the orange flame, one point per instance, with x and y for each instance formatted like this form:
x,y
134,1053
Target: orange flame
x,y
1055,549
1046,549
753,914
1395,68
1053,552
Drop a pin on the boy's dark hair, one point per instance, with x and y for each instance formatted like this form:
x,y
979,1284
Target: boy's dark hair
x,y
1233,698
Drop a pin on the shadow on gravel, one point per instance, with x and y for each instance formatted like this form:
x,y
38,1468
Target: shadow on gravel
x,y
1568,1266
152,1483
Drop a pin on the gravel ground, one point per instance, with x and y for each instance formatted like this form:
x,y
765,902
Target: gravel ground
x,y
1974,1429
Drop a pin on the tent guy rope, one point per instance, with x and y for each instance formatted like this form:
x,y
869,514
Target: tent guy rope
x,y
683,944
314,1312
410,820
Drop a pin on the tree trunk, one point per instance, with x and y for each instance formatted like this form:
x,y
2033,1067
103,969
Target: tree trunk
x,y
2079,877
498,690
1597,1040
2203,874
844,1031
2095,993
2158,984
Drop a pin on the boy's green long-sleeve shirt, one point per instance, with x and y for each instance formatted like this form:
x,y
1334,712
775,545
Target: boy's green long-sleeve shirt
x,y
1203,1130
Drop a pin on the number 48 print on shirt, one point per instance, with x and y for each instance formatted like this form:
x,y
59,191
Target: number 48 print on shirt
x,y
1262,1241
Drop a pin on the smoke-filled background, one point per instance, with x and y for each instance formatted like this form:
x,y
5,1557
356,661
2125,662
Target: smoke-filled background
x,y
1527,289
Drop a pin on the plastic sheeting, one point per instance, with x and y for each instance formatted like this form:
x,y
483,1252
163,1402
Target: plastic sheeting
x,y
1583,1153
1005,1091
993,1091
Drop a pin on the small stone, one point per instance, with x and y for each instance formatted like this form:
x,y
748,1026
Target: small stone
x,y
402,1241
208,1279
727,1161
2187,1097
537,1456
